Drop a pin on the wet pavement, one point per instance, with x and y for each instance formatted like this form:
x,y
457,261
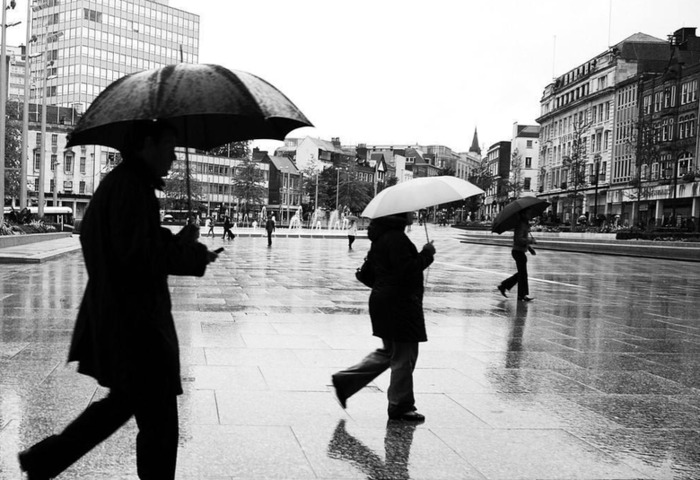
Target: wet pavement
x,y
595,379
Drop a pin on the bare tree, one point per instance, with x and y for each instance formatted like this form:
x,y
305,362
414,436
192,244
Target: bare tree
x,y
575,162
515,181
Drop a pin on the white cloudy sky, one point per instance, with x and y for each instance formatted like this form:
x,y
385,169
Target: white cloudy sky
x,y
428,71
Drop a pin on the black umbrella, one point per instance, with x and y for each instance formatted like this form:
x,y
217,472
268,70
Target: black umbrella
x,y
508,218
208,105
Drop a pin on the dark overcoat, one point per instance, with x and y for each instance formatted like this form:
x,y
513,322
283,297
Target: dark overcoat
x,y
396,301
124,335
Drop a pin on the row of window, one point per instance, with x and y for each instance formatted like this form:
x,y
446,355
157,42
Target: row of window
x,y
667,97
67,186
67,162
119,22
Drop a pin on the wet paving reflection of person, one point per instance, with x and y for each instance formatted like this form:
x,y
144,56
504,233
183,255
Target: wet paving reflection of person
x,y
397,449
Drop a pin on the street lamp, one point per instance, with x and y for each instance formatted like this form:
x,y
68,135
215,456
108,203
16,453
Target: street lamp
x,y
42,148
3,96
595,180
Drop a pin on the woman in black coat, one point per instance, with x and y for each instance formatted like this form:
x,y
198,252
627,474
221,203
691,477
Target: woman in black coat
x,y
396,311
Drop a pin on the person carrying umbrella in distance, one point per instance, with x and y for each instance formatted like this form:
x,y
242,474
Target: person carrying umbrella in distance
x,y
516,216
124,335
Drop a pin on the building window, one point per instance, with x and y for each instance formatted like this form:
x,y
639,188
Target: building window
x,y
685,164
528,162
670,97
526,183
38,138
54,161
529,144
686,126
67,186
37,161
51,186
82,164
68,163
81,188
647,104
92,15
36,185
657,101
54,139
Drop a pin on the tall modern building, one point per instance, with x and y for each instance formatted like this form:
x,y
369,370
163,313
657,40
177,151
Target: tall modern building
x,y
85,44
78,48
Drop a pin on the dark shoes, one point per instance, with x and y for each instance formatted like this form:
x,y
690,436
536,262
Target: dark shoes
x,y
342,398
502,289
24,465
525,299
411,416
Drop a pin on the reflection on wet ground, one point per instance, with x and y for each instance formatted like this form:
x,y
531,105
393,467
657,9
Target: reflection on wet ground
x,y
595,379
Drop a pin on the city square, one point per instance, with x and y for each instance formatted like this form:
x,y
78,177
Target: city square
x,y
594,379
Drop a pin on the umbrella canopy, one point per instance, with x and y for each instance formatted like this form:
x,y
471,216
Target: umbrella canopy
x,y
419,193
208,105
508,218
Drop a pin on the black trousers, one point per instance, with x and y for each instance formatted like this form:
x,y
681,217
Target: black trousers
x,y
351,240
156,442
520,277
269,238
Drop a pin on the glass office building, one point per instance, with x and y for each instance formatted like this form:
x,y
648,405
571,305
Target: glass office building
x,y
84,45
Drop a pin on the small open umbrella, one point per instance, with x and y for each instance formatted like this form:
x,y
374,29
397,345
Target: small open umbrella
x,y
419,193
508,218
208,105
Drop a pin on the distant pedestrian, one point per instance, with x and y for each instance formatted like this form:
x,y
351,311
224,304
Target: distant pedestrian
x,y
521,244
352,232
228,234
396,312
124,335
270,227
209,223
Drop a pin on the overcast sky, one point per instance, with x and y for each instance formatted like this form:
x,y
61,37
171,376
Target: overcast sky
x,y
426,72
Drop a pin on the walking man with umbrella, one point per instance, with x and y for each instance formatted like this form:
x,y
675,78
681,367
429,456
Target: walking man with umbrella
x,y
124,335
516,216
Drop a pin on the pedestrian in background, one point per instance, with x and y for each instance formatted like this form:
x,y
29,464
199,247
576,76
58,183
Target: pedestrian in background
x,y
396,312
270,227
352,232
521,244
228,234
209,223
124,335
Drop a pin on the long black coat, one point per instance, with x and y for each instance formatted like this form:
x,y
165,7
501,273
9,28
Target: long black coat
x,y
396,301
124,335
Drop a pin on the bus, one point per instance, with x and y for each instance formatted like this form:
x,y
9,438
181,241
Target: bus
x,y
60,216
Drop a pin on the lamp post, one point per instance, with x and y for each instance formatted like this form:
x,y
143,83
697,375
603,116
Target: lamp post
x,y
337,187
3,96
596,180
25,112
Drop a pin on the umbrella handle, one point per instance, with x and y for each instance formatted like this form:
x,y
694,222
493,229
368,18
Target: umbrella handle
x,y
425,224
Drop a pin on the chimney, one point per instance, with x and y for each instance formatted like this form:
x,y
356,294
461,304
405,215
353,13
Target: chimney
x,y
336,142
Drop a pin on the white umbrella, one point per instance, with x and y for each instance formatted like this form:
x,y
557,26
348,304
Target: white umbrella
x,y
419,193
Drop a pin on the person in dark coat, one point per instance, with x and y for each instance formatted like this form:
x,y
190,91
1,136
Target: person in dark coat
x,y
396,312
521,243
124,335
270,227
228,234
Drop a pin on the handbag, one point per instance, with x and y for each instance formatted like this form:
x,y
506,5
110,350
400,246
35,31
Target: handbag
x,y
365,273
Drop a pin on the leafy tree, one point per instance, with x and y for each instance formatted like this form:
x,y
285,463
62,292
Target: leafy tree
x,y
248,184
482,178
232,150
354,193
175,188
515,182
13,151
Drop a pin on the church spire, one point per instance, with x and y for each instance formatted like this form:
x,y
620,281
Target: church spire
x,y
475,144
